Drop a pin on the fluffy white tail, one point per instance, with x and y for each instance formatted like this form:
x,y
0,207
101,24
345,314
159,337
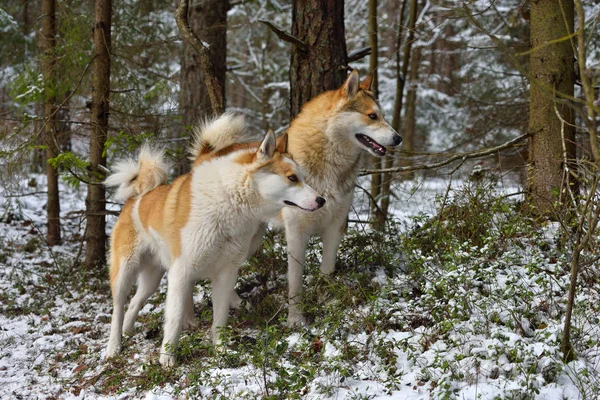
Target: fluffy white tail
x,y
137,177
214,134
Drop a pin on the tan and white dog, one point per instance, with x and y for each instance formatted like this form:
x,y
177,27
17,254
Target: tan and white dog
x,y
327,139
198,227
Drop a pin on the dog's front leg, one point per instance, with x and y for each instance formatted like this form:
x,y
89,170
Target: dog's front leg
x,y
296,243
332,236
179,286
222,287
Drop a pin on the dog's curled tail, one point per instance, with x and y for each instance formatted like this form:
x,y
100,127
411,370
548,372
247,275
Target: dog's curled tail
x,y
137,177
216,133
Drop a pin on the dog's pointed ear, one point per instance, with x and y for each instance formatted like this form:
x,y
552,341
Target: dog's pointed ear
x,y
367,83
282,142
267,147
350,87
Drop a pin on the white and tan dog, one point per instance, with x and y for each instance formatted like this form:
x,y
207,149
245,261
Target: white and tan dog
x,y
198,227
327,139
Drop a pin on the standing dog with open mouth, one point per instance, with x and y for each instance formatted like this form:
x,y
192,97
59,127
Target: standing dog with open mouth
x,y
327,139
199,227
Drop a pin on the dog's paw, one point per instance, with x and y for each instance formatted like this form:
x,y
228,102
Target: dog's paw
x,y
236,301
167,360
327,269
191,323
296,320
112,350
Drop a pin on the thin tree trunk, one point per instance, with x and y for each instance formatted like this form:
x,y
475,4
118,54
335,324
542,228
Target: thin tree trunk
x,y
96,199
322,65
401,71
48,45
409,132
551,66
377,216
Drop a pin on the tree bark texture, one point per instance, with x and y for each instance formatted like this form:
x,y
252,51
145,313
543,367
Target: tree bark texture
x,y
95,255
208,20
410,128
401,72
377,215
213,86
551,72
48,46
322,66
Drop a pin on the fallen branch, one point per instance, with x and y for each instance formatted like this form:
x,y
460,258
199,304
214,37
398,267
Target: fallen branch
x,y
215,90
463,157
286,37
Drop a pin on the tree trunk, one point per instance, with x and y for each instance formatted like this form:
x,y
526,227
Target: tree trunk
x,y
208,20
551,71
322,65
377,215
410,123
48,46
96,199
401,71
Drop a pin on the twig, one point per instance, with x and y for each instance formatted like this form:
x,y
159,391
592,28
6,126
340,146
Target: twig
x,y
358,54
286,37
460,156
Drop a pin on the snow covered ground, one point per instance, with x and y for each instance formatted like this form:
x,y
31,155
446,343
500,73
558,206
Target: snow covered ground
x,y
475,320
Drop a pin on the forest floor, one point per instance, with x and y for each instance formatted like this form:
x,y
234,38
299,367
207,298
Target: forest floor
x,y
463,298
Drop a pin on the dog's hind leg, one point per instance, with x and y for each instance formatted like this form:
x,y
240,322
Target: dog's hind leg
x,y
332,236
148,282
190,321
236,301
222,285
180,285
120,286
296,246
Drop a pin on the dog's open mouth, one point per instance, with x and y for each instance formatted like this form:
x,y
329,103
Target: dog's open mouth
x,y
289,203
371,144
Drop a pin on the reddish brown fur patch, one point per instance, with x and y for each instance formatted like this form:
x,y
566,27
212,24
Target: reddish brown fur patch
x,y
279,166
122,241
207,154
246,158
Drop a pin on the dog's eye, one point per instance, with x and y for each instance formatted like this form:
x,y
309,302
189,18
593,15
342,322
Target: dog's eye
x,y
293,178
373,116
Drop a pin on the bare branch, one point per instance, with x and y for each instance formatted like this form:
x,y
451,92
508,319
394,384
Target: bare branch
x,y
462,157
213,85
358,54
286,37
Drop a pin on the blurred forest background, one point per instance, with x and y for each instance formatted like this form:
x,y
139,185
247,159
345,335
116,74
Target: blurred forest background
x,y
481,91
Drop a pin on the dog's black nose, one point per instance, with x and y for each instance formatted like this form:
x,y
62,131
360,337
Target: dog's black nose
x,y
320,201
397,140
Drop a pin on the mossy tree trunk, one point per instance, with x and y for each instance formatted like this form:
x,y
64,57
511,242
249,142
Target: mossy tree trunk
x,y
48,46
551,78
96,199
322,64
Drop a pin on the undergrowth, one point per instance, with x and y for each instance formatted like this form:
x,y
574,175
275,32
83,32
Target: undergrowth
x,y
463,303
